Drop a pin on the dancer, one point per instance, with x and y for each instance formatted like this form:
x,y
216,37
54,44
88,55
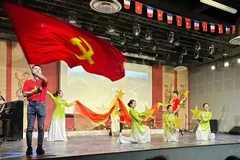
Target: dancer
x,y
175,102
57,130
171,132
140,133
204,131
115,121
35,91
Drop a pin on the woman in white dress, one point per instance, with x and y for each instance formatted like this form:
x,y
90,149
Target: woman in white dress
x,y
140,133
171,132
204,131
115,121
57,130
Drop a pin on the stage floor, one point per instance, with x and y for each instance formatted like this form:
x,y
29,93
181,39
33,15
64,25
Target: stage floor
x,y
91,145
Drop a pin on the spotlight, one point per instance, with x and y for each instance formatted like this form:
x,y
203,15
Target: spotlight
x,y
211,49
72,17
224,53
136,29
177,42
148,35
140,51
238,60
180,59
213,67
154,46
123,39
136,42
226,64
197,47
111,27
196,55
184,51
171,37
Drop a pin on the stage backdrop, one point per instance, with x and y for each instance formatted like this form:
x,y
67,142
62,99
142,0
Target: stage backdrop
x,y
96,92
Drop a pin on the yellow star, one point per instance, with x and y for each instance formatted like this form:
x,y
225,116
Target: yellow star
x,y
186,94
177,122
196,112
163,104
120,93
147,114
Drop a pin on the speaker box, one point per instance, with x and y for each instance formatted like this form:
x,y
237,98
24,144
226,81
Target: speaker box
x,y
235,130
214,125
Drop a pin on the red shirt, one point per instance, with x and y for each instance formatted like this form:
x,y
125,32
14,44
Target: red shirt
x,y
31,84
176,102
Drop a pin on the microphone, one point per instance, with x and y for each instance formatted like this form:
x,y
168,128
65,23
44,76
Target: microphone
x,y
1,98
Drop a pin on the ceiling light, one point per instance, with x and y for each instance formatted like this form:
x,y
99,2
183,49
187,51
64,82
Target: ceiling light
x,y
136,29
211,49
148,35
213,67
171,37
238,60
226,64
184,50
219,6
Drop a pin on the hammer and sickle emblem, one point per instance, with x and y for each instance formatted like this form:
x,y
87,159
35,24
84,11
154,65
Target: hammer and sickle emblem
x,y
87,55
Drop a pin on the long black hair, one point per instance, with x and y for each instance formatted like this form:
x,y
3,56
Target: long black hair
x,y
131,102
57,93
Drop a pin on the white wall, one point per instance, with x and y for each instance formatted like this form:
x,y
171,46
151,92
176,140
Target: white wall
x,y
219,88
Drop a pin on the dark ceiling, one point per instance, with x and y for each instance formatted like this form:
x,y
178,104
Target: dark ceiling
x,y
123,21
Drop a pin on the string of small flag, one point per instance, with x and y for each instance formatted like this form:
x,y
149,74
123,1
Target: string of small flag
x,y
229,29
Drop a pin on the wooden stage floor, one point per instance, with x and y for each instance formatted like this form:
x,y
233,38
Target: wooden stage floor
x,y
92,145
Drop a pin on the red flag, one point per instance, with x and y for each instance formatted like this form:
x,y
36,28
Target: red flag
x,y
220,28
45,39
233,29
160,14
138,7
179,20
188,23
204,26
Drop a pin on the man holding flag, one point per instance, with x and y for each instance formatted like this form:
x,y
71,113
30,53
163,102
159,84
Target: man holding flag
x,y
35,90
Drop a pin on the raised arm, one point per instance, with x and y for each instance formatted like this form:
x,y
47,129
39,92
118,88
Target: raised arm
x,y
51,96
69,104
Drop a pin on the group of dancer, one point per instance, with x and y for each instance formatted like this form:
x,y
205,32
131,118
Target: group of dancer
x,y
36,90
